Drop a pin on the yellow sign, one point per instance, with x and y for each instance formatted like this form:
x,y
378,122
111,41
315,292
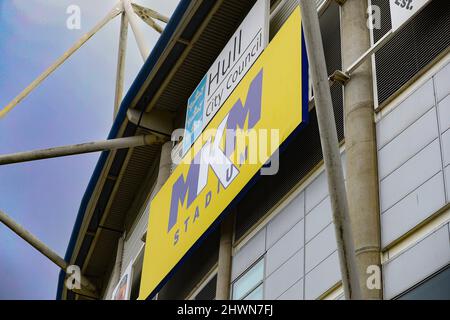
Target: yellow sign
x,y
263,111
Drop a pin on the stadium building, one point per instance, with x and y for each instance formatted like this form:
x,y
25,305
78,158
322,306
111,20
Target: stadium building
x,y
272,236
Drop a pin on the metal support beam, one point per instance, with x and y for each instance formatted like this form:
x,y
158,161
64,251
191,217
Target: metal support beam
x,y
330,148
87,287
147,16
138,35
360,144
121,62
145,13
113,13
225,257
112,144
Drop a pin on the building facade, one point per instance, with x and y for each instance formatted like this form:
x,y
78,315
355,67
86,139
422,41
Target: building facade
x,y
283,237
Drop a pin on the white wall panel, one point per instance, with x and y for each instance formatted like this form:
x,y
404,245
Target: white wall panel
x,y
316,192
414,146
416,263
293,293
316,220
285,219
323,277
413,209
283,278
405,114
447,182
284,248
319,248
442,81
248,254
408,143
444,114
410,176
446,148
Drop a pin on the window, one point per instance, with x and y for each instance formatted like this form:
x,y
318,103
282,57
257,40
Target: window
x,y
249,285
208,292
434,288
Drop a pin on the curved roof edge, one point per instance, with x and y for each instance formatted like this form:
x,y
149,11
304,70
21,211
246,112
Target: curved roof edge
x,y
121,115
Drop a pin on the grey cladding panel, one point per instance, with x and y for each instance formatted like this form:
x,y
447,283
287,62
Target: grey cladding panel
x,y
408,143
293,293
446,147
286,219
410,176
323,277
417,263
444,114
319,248
248,254
413,209
318,219
283,278
405,114
284,248
316,192
442,82
447,182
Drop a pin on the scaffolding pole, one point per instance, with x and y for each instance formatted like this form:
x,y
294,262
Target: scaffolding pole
x,y
121,62
112,14
138,35
330,149
88,147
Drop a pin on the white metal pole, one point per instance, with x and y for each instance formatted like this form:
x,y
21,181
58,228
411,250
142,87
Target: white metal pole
x,y
112,144
140,39
121,62
330,149
113,13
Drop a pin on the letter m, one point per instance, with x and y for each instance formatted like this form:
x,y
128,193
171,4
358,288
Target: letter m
x,y
182,187
239,112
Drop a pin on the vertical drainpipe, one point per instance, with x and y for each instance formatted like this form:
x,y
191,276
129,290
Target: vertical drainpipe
x,y
360,144
225,257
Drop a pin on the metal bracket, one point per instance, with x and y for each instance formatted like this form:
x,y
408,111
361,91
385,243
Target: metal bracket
x,y
148,16
340,76
340,2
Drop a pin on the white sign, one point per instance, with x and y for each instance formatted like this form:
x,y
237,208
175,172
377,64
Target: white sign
x,y
241,51
123,288
403,10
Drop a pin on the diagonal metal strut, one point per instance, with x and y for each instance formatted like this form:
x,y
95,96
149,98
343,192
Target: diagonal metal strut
x,y
112,14
88,147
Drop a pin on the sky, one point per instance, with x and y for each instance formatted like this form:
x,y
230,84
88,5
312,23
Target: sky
x,y
75,104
